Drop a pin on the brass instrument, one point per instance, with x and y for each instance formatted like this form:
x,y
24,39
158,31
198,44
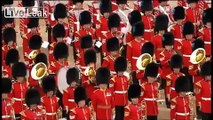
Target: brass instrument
x,y
144,110
33,54
198,56
90,72
38,71
192,105
143,61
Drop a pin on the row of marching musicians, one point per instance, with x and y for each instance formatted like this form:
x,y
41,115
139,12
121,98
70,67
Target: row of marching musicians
x,y
112,96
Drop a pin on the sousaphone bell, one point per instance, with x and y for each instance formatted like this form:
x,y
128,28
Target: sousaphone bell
x,y
198,56
143,61
38,71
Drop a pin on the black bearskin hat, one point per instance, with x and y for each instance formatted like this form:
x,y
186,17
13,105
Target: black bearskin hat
x,y
134,91
176,61
178,13
33,22
73,75
168,39
120,64
9,34
206,68
60,51
182,84
206,17
80,94
198,43
58,31
28,3
19,69
151,70
162,1
138,29
7,2
113,20
161,22
188,28
148,47
48,84
102,75
105,6
41,57
121,1
85,17
12,56
77,1
35,42
86,41
32,96
60,11
6,20
192,1
112,44
6,85
134,17
146,5
89,56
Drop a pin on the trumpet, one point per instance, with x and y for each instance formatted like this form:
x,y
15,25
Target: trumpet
x,y
33,54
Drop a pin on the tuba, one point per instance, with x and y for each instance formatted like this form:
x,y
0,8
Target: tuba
x,y
90,72
39,70
198,56
143,61
33,54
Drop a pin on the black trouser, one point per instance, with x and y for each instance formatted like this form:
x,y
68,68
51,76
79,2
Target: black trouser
x,y
18,116
119,112
152,117
206,116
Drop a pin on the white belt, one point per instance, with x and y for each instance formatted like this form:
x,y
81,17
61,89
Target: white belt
x,y
103,32
51,113
178,39
182,114
113,72
150,99
172,88
186,55
121,92
135,58
207,42
18,99
148,30
206,99
5,116
71,100
83,67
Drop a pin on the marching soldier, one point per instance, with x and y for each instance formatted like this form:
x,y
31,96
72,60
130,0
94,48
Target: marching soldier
x,y
49,101
102,98
11,58
113,49
88,76
148,19
36,83
181,103
81,112
205,32
86,29
176,28
133,110
205,90
175,65
7,108
34,110
33,49
68,95
9,37
134,46
101,24
193,15
94,9
19,87
161,25
119,84
150,91
165,56
85,44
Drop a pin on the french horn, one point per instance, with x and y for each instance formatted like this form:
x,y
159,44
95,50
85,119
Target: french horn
x,y
198,56
143,61
38,71
33,54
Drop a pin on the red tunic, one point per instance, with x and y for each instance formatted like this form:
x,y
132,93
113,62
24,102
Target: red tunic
x,y
101,26
109,62
7,109
132,112
68,98
73,18
102,102
186,51
38,114
205,34
51,106
148,27
157,42
80,113
119,86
